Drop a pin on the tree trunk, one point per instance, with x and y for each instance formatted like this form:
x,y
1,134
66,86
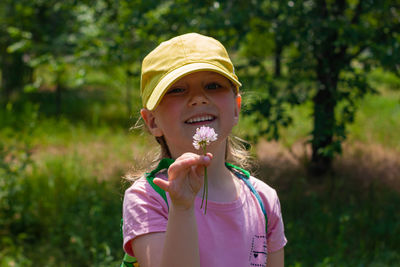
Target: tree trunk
x,y
58,94
278,58
14,74
324,122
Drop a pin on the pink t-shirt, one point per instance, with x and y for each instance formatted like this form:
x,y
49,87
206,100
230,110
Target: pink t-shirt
x,y
230,234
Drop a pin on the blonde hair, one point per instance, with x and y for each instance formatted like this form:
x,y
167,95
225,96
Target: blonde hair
x,y
237,153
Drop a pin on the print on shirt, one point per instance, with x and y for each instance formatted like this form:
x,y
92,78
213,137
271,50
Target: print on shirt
x,y
258,253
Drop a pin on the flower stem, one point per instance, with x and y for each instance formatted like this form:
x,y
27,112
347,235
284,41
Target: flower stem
x,y
205,187
206,181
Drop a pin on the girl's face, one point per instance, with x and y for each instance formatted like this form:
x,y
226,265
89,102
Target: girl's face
x,y
201,98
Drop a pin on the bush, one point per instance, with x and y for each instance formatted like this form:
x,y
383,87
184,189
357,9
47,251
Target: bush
x,y
15,160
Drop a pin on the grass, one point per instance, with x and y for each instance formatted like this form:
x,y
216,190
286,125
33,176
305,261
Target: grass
x,y
343,224
63,215
60,201
376,121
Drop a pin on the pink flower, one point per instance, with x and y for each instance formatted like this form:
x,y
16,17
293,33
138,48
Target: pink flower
x,y
204,136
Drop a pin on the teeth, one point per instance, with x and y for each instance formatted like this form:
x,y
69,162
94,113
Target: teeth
x,y
199,119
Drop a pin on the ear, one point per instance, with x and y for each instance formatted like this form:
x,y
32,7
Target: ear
x,y
238,107
150,121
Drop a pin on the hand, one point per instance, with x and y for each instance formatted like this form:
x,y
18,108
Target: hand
x,y
185,179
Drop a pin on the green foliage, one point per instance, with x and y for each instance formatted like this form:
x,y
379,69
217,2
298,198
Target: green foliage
x,y
58,214
65,215
380,78
333,46
15,160
53,211
65,204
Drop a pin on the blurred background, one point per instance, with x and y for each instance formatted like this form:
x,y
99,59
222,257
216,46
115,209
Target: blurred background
x,y
321,93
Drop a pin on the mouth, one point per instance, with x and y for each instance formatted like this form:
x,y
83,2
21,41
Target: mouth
x,y
200,119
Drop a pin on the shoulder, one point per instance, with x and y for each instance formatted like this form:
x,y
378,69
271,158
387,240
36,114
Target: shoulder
x,y
142,196
266,192
139,188
144,211
269,197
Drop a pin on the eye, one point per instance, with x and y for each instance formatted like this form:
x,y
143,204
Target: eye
x,y
176,90
213,86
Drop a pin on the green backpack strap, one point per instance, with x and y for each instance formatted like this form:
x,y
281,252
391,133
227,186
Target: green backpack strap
x,y
164,164
244,176
129,261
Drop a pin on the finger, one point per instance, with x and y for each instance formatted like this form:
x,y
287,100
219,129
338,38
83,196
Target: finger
x,y
164,185
183,163
200,168
208,158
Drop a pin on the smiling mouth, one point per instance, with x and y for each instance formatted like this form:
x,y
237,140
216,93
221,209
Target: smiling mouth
x,y
200,119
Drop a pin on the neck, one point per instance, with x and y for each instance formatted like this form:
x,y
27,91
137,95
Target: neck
x,y
222,184
217,171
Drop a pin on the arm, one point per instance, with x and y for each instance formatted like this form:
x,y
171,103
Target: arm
x,y
148,248
276,259
178,246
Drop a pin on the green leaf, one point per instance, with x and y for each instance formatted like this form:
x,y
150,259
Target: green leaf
x,y
19,46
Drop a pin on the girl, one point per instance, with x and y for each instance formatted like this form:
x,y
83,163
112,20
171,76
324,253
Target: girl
x,y
189,82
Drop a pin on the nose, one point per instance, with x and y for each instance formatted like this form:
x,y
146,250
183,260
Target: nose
x,y
198,97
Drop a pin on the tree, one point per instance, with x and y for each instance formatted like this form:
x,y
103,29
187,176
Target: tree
x,y
36,32
334,44
14,40
338,42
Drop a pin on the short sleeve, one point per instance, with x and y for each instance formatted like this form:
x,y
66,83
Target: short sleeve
x,y
276,238
144,211
276,234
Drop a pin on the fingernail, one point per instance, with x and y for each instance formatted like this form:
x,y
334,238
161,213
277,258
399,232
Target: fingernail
x,y
207,158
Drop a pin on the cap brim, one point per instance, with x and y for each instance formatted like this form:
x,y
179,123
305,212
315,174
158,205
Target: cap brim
x,y
178,73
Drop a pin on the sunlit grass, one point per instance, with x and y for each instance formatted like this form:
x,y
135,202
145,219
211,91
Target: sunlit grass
x,y
377,120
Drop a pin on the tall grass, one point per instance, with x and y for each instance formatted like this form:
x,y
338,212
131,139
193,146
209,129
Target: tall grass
x,y
59,207
63,215
340,223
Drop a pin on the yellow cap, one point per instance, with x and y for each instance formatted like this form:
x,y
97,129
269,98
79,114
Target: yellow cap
x,y
178,57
